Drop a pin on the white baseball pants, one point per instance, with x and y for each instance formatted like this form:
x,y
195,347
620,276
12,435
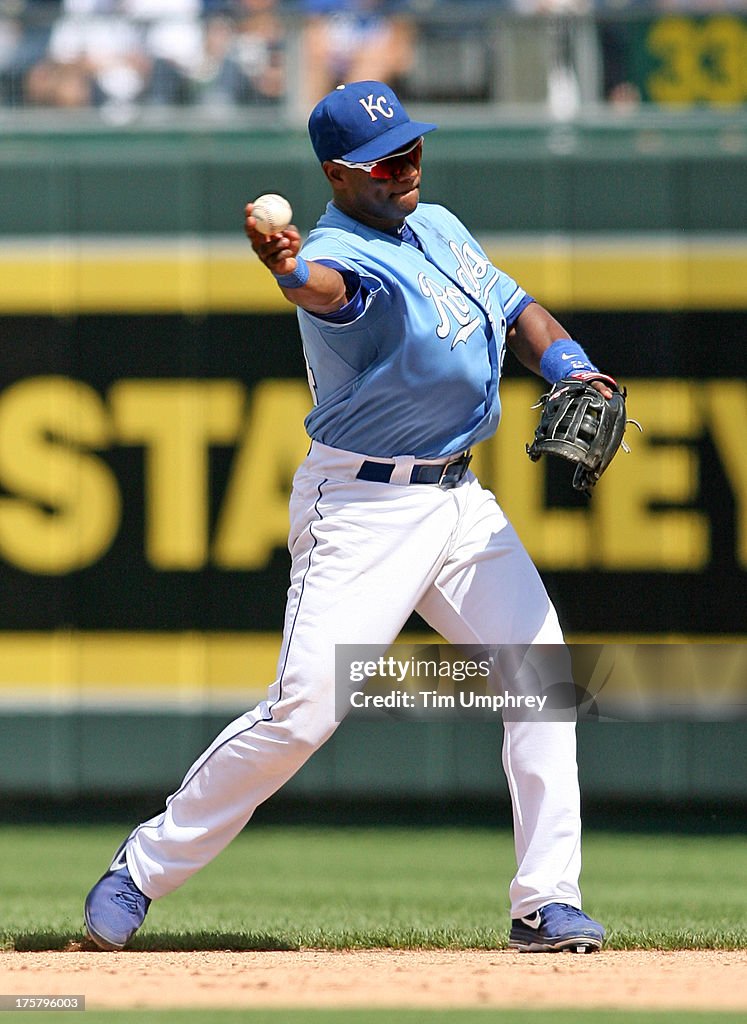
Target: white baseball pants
x,y
364,555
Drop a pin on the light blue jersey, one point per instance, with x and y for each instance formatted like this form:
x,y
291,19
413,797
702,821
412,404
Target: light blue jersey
x,y
417,372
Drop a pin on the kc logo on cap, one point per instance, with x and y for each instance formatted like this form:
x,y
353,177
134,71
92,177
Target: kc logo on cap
x,y
362,121
372,107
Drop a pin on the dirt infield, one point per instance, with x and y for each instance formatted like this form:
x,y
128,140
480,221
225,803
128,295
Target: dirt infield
x,y
384,978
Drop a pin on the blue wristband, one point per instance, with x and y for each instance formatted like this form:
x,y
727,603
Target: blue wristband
x,y
562,358
297,278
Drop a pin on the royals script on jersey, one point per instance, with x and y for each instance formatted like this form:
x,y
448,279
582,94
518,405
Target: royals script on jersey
x,y
416,371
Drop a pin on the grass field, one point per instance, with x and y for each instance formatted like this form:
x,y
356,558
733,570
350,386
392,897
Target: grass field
x,y
285,888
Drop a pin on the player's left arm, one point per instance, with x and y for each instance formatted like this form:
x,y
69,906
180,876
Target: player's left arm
x,y
533,333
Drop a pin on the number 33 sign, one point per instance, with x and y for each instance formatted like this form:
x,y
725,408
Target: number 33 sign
x,y
699,60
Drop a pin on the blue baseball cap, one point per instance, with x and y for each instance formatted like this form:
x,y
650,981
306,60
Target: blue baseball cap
x,y
361,122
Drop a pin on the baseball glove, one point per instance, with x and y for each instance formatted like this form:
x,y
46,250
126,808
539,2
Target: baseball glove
x,y
578,424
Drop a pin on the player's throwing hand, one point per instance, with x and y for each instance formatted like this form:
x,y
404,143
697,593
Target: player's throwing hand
x,y
277,252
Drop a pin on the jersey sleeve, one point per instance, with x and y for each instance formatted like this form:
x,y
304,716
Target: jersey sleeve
x,y
354,288
518,307
360,289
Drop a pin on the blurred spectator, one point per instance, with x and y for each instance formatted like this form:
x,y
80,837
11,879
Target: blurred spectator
x,y
353,41
11,36
95,56
121,54
206,74
24,36
171,37
617,45
253,66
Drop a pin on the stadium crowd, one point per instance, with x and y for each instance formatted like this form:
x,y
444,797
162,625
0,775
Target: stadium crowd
x,y
121,56
117,53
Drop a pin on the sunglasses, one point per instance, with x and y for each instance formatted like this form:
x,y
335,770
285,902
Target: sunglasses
x,y
393,165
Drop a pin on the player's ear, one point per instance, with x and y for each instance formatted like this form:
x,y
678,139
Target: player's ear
x,y
335,173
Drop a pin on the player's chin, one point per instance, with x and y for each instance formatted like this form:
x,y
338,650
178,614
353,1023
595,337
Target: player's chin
x,y
408,199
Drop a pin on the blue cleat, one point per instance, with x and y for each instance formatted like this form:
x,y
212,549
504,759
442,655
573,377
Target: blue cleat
x,y
115,907
556,927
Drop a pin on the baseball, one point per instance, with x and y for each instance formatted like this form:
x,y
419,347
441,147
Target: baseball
x,y
272,213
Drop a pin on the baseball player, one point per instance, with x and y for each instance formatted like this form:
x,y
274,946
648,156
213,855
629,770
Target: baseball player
x,y
405,323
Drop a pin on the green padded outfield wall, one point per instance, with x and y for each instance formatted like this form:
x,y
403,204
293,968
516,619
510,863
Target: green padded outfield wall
x,y
634,173
151,398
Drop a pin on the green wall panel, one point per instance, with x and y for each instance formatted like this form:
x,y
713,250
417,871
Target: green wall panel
x,y
636,193
638,174
715,197
121,753
31,194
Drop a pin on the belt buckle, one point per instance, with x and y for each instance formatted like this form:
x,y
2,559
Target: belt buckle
x,y
464,460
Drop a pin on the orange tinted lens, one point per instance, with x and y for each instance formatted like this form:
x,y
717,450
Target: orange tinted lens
x,y
394,166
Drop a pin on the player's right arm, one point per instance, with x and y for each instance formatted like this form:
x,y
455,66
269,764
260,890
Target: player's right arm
x,y
324,291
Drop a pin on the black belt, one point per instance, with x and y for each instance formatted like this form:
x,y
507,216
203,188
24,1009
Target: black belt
x,y
445,476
